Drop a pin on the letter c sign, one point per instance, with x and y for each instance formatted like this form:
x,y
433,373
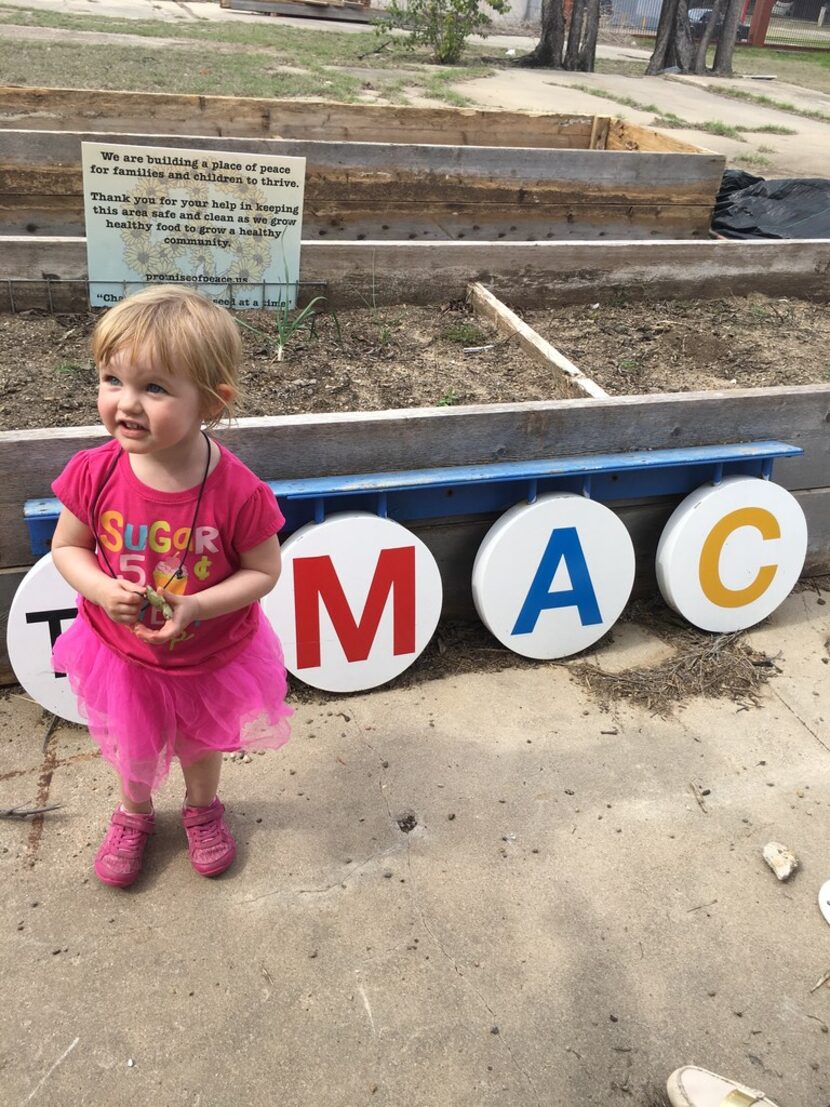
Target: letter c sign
x,y
731,553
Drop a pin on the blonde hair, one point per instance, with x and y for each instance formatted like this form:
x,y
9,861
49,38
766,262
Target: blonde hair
x,y
183,332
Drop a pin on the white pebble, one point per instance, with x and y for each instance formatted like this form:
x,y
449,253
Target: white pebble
x,y
780,859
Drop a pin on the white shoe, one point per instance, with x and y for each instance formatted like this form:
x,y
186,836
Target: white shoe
x,y
691,1086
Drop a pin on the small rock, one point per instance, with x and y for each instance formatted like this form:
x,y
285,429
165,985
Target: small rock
x,y
780,859
130,1063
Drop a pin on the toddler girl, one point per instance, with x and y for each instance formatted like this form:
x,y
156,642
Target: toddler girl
x,y
164,505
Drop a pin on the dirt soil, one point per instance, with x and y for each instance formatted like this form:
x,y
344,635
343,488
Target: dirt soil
x,y
384,358
380,359
692,345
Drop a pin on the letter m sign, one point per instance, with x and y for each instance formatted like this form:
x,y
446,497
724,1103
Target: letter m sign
x,y
315,579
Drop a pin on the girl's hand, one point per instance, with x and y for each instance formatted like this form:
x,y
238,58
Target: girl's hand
x,y
121,599
185,612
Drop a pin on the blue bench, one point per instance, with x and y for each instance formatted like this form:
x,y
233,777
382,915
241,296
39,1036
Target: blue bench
x,y
470,490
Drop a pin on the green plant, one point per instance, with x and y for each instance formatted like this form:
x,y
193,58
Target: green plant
x,y
464,332
449,398
69,367
442,25
768,102
286,325
758,160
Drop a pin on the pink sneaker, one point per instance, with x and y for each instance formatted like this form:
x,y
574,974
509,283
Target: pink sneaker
x,y
118,861
211,846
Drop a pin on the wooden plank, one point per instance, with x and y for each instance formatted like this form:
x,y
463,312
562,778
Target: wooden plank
x,y
630,136
488,307
293,447
9,582
320,9
378,190
407,171
173,113
529,275
347,221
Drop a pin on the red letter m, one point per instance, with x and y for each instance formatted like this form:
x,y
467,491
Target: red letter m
x,y
315,579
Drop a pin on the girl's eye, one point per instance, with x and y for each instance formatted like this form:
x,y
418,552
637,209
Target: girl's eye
x,y
110,379
155,388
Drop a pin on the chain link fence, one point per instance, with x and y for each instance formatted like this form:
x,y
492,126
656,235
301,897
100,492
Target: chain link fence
x,y
793,23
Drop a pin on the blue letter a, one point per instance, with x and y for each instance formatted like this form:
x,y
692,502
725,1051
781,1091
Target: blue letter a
x,y
563,543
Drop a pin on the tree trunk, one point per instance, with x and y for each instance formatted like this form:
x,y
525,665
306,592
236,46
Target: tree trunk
x,y
703,45
575,34
548,50
588,53
726,41
673,45
662,41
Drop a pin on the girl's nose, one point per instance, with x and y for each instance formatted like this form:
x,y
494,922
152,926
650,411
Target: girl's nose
x,y
129,400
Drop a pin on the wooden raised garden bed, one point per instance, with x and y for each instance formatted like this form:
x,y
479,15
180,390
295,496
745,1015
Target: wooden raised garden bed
x,y
582,167
376,172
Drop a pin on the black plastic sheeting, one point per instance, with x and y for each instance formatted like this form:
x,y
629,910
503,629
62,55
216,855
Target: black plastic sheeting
x,y
751,207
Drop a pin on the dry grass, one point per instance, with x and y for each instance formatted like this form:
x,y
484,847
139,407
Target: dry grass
x,y
720,666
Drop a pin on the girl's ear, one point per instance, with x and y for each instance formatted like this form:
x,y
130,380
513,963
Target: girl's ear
x,y
226,396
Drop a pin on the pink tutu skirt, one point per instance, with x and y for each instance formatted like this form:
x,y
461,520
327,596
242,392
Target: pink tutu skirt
x,y
142,718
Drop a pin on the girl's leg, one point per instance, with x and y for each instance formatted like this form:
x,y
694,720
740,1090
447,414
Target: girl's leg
x,y
141,800
201,779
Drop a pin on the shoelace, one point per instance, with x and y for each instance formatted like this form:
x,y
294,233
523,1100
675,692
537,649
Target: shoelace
x,y
129,839
207,835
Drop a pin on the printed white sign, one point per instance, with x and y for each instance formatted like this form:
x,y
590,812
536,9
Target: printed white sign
x,y
550,578
731,553
358,600
228,223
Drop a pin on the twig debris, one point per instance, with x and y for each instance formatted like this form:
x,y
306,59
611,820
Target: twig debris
x,y
26,812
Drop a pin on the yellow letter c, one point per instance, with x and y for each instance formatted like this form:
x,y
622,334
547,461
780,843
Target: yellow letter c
x,y
710,579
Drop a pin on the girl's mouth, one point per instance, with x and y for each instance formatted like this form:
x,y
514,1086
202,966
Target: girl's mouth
x,y
130,427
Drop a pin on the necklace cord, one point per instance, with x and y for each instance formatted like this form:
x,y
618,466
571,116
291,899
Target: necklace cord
x,y
177,572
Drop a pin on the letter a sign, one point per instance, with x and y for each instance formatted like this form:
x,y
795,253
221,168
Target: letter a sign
x,y
358,600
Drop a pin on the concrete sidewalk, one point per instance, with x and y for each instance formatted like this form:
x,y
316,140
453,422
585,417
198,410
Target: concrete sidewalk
x,y
806,153
563,923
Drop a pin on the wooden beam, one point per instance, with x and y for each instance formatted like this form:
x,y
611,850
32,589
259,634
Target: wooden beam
x,y
527,274
689,174
632,137
507,322
320,9
378,190
377,219
164,113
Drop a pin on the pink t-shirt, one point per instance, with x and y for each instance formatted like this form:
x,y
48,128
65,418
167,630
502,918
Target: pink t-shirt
x,y
141,534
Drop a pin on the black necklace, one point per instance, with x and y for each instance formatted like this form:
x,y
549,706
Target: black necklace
x,y
178,572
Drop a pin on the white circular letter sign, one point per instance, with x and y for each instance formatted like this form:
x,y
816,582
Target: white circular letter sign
x,y
358,600
550,578
731,553
43,607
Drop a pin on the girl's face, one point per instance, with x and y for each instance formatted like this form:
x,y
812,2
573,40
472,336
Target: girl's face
x,y
145,409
